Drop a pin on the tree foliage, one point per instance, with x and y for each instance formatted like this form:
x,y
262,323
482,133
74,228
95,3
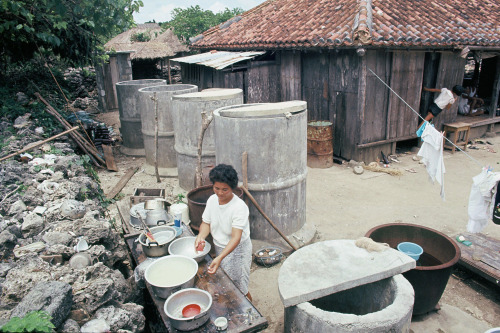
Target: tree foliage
x,y
71,29
192,21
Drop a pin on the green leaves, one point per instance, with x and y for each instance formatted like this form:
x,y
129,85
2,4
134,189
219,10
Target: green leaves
x,y
192,21
68,28
34,321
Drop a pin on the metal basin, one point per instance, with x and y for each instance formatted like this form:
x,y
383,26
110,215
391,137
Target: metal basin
x,y
164,235
185,247
177,301
170,274
434,266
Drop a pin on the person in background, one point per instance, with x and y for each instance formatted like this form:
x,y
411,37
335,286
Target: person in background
x,y
469,102
226,218
445,99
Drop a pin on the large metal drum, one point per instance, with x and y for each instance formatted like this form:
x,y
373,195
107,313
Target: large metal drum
x,y
127,93
275,137
166,153
186,111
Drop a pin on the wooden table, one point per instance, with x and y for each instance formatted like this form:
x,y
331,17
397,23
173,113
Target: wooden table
x,y
482,257
457,128
227,299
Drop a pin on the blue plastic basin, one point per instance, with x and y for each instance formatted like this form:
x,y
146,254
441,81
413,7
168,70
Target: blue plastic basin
x,y
411,249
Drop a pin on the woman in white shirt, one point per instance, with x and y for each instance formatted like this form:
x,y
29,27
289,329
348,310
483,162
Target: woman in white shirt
x,y
226,218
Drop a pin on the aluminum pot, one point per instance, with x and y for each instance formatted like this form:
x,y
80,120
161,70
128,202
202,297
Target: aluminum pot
x,y
158,217
157,204
134,215
164,236
170,274
177,301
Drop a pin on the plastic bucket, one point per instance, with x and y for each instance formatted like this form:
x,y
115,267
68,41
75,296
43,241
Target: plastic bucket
x,y
411,249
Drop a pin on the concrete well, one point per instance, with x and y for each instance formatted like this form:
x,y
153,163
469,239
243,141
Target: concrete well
x,y
130,115
186,113
382,306
166,156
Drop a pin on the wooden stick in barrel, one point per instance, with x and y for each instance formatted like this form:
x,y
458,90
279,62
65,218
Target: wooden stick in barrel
x,y
205,122
250,196
156,137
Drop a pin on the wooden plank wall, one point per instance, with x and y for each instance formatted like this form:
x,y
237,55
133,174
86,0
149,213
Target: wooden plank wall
x,y
343,74
406,80
429,80
236,80
263,83
376,117
291,76
450,72
315,78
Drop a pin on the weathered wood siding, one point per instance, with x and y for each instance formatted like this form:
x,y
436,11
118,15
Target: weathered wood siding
x,y
315,78
450,72
291,76
406,80
263,82
343,84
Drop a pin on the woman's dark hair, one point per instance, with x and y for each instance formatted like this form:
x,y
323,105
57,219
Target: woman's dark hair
x,y
224,173
458,90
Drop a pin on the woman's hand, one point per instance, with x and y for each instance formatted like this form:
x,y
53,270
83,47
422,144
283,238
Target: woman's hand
x,y
214,265
199,241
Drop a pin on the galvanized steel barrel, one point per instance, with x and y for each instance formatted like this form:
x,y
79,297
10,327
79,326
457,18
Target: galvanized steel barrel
x,y
186,111
167,158
127,93
275,137
319,144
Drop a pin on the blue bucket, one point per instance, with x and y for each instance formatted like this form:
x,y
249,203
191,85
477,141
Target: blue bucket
x,y
411,249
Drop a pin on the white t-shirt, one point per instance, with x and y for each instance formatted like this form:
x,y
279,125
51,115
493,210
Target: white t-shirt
x,y
444,98
222,218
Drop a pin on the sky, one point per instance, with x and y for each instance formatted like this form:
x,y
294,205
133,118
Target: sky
x,y
159,10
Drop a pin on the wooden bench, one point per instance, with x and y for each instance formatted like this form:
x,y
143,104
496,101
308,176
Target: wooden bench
x,y
459,135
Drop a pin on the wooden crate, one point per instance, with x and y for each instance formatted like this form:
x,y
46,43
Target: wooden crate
x,y
144,194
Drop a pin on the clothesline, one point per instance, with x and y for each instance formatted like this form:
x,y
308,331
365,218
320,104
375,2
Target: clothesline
x,y
395,93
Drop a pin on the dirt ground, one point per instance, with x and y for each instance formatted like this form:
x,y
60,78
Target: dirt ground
x,y
343,205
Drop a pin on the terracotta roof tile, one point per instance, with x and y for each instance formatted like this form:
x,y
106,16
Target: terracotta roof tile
x,y
329,23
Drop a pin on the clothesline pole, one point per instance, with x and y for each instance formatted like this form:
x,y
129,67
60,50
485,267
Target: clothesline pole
x,y
395,93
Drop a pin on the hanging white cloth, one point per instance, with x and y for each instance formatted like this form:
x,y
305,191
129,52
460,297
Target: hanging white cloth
x,y
482,200
432,155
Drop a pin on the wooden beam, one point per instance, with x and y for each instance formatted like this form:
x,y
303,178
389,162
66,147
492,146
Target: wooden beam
x,y
121,184
108,156
381,142
37,144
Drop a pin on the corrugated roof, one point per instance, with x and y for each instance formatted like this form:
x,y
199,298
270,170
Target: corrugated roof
x,y
218,59
280,24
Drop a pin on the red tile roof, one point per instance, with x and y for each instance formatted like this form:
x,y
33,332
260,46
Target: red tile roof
x,y
284,24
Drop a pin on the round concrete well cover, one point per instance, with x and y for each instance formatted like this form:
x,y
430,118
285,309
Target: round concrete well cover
x,y
325,268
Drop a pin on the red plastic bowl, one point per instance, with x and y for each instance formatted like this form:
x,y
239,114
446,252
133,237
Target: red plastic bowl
x,y
191,310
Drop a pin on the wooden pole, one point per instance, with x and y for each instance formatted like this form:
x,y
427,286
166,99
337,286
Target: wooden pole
x,y
244,171
77,137
250,196
205,122
168,68
157,173
123,181
39,143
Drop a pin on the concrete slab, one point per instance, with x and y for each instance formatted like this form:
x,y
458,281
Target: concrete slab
x,y
163,172
448,319
325,268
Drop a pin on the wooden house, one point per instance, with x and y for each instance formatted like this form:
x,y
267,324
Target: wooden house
x,y
335,55
142,52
